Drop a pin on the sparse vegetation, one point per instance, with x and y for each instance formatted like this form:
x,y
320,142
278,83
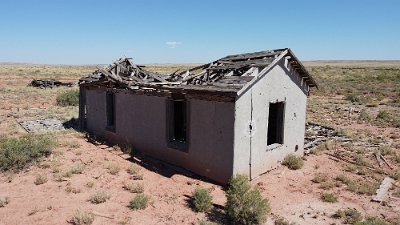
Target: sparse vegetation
x,y
293,162
140,201
320,178
372,221
281,221
245,205
18,153
40,179
133,169
77,168
328,197
113,168
134,188
349,215
4,201
68,98
202,200
82,218
99,197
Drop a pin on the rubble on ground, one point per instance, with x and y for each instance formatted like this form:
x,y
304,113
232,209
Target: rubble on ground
x,y
49,83
42,125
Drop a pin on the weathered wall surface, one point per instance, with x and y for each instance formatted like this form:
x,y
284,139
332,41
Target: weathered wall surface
x,y
141,121
281,83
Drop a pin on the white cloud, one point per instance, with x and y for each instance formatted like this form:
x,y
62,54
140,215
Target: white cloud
x,y
172,44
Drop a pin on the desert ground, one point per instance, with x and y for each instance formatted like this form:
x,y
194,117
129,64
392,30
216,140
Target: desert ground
x,y
359,99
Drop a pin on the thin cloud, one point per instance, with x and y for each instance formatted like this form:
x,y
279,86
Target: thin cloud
x,y
172,44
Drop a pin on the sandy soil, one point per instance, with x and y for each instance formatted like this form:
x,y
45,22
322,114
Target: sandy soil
x,y
291,194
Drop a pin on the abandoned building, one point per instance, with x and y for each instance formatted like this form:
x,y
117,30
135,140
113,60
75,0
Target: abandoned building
x,y
241,114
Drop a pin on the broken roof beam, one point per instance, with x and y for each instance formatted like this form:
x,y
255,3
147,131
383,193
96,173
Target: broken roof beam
x,y
253,55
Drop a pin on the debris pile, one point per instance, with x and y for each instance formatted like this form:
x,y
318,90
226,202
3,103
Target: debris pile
x,y
49,83
34,126
316,134
124,73
233,72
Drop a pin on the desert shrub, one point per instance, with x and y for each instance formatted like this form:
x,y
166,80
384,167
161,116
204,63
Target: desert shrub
x,y
348,215
202,200
82,218
372,221
293,162
360,160
353,98
320,178
342,178
77,168
4,201
18,153
364,116
140,201
99,197
383,115
68,98
245,205
134,188
281,221
40,179
362,187
133,169
113,168
328,197
386,150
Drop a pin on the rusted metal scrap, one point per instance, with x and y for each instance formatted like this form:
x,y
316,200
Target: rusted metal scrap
x,y
49,83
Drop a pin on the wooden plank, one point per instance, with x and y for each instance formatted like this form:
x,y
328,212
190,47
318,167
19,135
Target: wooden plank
x,y
383,189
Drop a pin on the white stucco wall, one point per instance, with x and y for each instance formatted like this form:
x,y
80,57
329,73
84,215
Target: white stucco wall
x,y
281,83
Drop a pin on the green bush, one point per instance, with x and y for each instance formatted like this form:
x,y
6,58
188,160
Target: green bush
x,y
18,153
293,162
68,98
140,201
245,205
328,197
202,200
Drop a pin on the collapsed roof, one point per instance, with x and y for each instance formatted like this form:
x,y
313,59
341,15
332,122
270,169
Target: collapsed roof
x,y
228,74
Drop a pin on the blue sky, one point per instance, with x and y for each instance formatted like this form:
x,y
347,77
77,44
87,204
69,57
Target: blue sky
x,y
178,31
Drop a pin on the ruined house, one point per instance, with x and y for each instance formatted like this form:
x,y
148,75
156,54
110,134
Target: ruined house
x,y
241,114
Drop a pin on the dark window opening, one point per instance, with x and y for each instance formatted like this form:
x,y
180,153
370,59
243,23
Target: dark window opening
x,y
178,121
110,104
276,123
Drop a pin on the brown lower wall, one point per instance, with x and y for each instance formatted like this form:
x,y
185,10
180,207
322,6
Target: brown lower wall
x,y
141,122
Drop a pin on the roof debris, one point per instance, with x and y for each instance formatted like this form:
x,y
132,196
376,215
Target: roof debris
x,y
49,83
228,74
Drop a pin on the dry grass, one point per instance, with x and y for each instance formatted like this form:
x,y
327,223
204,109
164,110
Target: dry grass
x,y
99,197
134,188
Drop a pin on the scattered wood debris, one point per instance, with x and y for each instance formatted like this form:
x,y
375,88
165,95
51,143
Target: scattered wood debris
x,y
49,83
228,74
317,134
35,126
383,189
